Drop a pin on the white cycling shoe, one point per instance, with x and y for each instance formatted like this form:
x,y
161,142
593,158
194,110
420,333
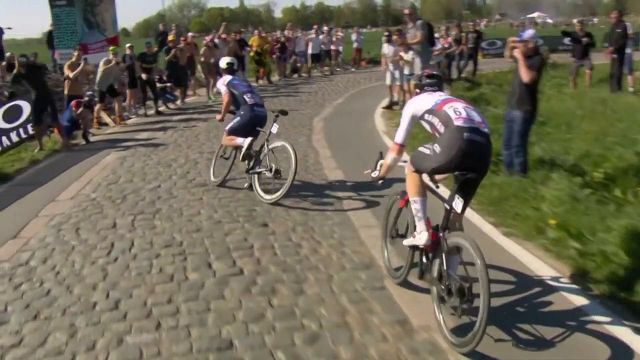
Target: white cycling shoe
x,y
246,146
417,239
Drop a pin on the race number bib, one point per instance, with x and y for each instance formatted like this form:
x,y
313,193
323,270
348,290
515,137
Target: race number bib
x,y
250,99
464,115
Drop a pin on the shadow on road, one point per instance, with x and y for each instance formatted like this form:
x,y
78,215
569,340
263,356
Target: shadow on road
x,y
523,314
334,196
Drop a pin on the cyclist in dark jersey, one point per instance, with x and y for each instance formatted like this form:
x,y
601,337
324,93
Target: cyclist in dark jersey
x,y
250,111
463,145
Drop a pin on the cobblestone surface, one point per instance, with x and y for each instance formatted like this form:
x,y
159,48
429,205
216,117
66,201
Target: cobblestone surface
x,y
157,263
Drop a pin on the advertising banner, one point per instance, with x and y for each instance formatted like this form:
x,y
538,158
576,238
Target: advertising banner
x,y
556,43
90,24
16,125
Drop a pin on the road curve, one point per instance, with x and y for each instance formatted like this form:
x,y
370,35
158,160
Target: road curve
x,y
529,317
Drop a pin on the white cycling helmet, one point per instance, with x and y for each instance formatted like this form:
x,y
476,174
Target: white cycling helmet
x,y
228,63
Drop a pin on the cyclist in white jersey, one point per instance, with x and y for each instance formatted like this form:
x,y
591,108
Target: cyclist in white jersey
x,y
463,145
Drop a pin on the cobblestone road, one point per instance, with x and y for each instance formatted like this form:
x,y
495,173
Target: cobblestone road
x,y
154,262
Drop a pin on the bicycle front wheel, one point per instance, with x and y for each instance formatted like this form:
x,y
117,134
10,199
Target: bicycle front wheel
x,y
221,164
398,225
274,172
461,297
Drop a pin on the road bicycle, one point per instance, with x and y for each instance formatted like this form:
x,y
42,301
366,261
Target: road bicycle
x,y
462,299
270,169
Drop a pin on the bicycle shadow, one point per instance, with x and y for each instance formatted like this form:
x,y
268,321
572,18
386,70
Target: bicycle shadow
x,y
334,196
522,314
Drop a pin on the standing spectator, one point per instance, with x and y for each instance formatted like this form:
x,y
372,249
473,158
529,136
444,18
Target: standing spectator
x,y
192,60
299,60
337,47
109,72
390,56
282,56
129,61
325,49
445,52
458,54
420,36
358,42
471,42
628,59
208,59
259,52
522,105
582,41
176,59
237,49
51,46
315,56
34,75
148,61
618,38
76,72
407,60
161,37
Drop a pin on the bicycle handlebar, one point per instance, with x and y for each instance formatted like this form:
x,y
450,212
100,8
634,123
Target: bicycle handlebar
x,y
377,167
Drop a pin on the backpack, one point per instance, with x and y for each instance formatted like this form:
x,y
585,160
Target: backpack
x,y
431,38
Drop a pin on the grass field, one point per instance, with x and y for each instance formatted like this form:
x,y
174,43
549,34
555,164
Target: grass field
x,y
582,199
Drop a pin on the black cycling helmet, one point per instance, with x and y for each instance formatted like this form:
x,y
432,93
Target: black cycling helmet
x,y
429,81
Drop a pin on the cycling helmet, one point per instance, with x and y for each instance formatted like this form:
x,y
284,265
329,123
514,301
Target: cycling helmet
x,y
429,81
228,63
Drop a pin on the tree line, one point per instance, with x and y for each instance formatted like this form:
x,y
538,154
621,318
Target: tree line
x,y
196,16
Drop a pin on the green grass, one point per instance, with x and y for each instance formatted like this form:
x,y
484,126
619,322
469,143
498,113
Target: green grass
x,y
21,157
582,199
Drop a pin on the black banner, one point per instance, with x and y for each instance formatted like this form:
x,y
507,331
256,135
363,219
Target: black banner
x,y
556,43
16,125
493,47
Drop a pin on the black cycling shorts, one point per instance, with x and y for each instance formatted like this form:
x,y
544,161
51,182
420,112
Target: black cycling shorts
x,y
132,82
111,92
458,149
247,122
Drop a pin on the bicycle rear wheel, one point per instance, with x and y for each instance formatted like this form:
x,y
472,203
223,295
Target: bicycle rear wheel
x,y
398,225
221,164
274,172
461,300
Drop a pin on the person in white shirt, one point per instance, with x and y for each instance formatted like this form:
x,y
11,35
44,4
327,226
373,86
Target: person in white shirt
x,y
325,49
313,49
336,49
390,60
408,61
298,63
357,40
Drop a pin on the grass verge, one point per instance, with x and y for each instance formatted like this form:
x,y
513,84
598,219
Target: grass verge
x,y
582,199
14,161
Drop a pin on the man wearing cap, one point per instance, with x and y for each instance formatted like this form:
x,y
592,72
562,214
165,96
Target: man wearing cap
x,y
177,73
109,72
420,36
522,104
77,115
148,61
129,61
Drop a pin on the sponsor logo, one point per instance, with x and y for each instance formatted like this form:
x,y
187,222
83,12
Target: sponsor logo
x,y
14,125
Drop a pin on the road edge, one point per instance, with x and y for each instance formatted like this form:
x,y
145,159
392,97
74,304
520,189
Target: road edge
x,y
576,296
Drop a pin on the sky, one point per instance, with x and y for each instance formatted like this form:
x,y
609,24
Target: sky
x,y
30,18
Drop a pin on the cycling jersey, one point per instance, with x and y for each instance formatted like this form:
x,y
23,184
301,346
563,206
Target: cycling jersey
x,y
242,93
438,112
